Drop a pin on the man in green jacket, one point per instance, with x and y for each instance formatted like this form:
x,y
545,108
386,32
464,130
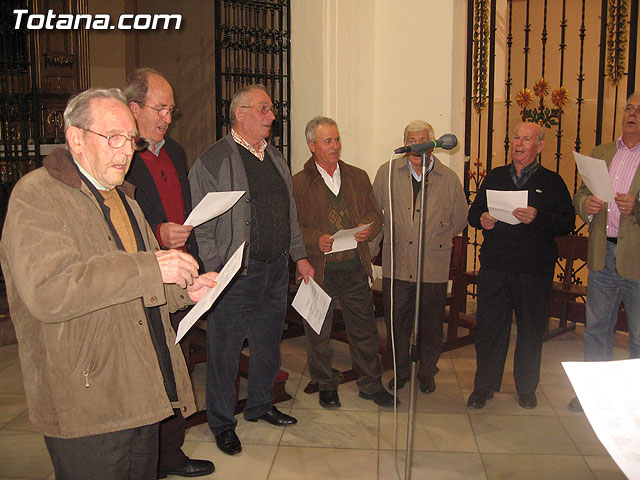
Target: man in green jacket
x,y
614,244
89,294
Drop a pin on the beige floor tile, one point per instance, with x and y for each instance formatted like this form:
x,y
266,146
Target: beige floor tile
x,y
8,356
295,462
604,468
11,380
10,407
23,455
447,398
333,428
559,397
432,431
521,434
432,466
583,435
253,463
21,423
536,467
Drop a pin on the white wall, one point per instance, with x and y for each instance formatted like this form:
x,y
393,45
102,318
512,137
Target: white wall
x,y
373,66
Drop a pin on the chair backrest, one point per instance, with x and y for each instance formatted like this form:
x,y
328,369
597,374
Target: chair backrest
x,y
571,248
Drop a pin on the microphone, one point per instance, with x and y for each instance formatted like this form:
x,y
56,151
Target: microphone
x,y
446,141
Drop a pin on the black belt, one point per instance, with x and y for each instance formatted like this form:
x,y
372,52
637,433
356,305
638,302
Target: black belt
x,y
612,240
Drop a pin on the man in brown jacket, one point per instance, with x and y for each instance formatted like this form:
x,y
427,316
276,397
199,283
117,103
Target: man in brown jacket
x,y
89,294
331,196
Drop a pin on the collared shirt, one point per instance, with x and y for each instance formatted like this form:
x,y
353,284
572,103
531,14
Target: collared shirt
x,y
258,153
155,150
332,181
525,174
93,181
622,169
413,172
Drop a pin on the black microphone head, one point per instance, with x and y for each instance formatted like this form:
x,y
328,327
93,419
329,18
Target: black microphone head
x,y
448,141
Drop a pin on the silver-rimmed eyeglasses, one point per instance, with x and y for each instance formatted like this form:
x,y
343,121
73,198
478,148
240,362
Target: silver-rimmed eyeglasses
x,y
263,108
117,140
630,108
163,111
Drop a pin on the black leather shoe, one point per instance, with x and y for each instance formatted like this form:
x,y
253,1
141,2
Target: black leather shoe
x,y
193,468
527,400
401,382
575,406
478,399
329,399
275,417
229,442
381,397
427,385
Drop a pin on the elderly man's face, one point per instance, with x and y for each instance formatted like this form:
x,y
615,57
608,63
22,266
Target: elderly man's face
x,y
151,125
631,119
106,164
414,138
326,149
525,145
253,125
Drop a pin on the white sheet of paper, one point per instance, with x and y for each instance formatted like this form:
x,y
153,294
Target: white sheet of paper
x,y
502,202
224,277
212,205
312,303
610,397
595,174
345,240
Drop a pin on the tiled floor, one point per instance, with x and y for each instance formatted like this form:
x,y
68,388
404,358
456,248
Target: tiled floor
x,y
501,441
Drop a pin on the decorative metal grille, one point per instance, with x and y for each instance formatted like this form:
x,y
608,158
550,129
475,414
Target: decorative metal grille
x,y
19,126
551,74
253,46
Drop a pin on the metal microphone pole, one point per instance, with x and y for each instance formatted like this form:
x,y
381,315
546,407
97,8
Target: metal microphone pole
x,y
415,348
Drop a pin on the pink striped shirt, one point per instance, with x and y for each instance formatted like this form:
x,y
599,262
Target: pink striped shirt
x,y
622,169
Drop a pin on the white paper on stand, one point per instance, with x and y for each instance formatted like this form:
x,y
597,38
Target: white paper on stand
x,y
224,277
595,174
212,205
345,240
312,303
610,397
502,203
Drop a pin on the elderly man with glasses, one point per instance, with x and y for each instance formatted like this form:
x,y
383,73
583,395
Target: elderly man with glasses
x,y
90,294
614,244
264,220
162,189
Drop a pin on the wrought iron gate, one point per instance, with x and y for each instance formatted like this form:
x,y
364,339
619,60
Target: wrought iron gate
x,y
252,46
567,64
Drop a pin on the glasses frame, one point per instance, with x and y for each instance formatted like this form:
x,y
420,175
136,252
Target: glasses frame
x,y
173,111
630,108
263,109
137,142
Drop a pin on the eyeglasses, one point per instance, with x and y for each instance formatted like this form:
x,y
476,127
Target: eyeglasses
x,y
118,140
163,111
263,109
630,108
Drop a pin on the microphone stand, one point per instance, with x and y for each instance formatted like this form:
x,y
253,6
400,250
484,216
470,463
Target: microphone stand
x,y
415,348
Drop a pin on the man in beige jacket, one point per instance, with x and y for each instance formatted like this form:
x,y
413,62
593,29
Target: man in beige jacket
x,y
89,294
445,216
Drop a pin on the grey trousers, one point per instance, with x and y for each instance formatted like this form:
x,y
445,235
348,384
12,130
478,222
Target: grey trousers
x,y
350,287
124,455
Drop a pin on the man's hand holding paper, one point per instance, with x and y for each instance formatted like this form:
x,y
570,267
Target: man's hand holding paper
x,y
504,203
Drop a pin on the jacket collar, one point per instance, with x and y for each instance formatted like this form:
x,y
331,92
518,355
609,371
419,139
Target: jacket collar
x,y
59,164
310,169
403,165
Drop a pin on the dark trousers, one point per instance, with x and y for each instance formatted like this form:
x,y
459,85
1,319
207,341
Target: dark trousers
x,y
124,455
499,295
173,429
350,287
253,304
433,298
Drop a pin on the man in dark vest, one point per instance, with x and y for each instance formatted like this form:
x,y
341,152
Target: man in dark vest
x,y
162,190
